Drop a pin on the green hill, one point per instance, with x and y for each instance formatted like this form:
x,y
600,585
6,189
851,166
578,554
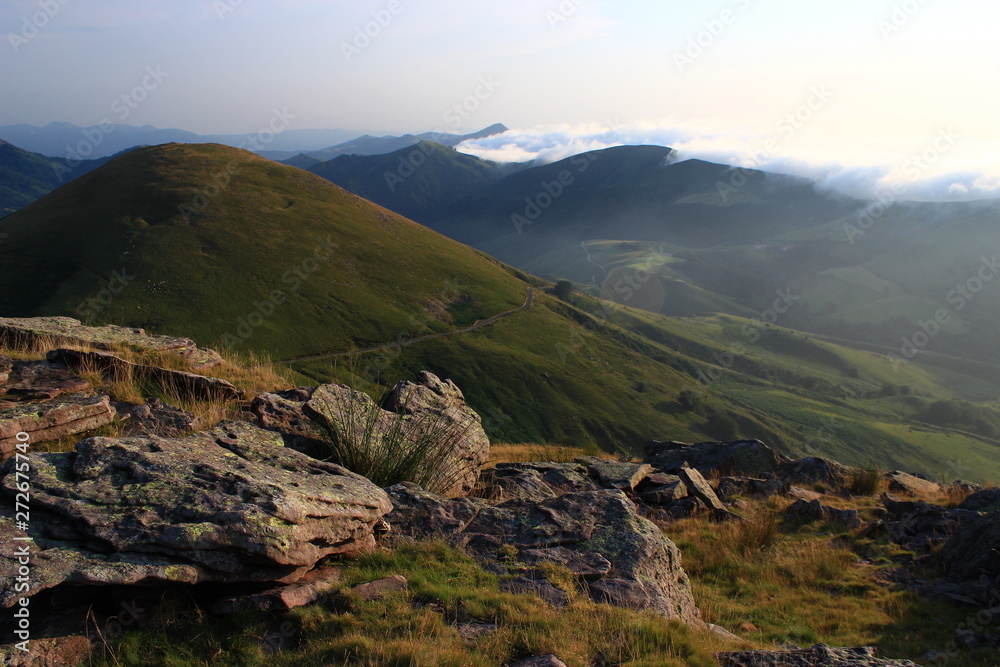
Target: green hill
x,y
231,249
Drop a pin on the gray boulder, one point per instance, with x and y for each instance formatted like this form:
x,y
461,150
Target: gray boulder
x,y
228,505
624,559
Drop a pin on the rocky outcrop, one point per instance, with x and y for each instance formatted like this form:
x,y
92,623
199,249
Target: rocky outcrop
x,y
623,559
53,419
819,655
740,457
918,525
231,504
186,385
32,331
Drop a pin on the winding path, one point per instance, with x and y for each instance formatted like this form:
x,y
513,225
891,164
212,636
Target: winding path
x,y
528,301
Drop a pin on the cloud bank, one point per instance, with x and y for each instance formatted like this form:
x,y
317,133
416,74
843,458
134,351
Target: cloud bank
x,y
936,167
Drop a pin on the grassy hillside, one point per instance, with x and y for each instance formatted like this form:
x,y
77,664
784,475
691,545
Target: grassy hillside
x,y
233,250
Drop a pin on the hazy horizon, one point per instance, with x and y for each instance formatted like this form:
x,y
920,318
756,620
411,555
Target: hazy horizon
x,y
857,98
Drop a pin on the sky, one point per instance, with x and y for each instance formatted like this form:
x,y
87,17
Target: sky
x,y
859,94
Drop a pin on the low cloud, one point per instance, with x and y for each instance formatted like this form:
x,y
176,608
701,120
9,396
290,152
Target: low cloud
x,y
934,169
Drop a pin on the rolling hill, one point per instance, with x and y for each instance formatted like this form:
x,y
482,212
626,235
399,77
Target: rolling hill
x,y
26,176
231,249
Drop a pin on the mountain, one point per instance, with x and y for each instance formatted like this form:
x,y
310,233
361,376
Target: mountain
x,y
417,181
229,248
369,145
26,176
64,139
710,238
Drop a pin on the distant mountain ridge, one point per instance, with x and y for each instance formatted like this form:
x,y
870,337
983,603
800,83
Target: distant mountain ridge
x,y
59,139
369,145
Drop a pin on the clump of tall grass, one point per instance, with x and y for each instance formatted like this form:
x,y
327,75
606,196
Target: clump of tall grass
x,y
866,481
423,446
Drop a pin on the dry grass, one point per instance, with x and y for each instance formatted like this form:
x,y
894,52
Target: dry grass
x,y
868,481
527,453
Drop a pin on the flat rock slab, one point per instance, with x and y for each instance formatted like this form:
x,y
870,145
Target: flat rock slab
x,y
625,559
616,474
51,420
229,505
36,380
901,482
699,487
186,384
19,332
819,655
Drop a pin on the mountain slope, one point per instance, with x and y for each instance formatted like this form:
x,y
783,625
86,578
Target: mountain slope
x,y
229,248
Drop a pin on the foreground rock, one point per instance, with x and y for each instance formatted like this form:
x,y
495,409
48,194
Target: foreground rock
x,y
623,559
987,500
819,655
312,420
232,504
30,331
53,419
186,385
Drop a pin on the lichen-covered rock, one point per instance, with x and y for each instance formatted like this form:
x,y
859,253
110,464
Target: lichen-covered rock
x,y
582,530
427,409
819,655
740,457
52,419
22,332
231,504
